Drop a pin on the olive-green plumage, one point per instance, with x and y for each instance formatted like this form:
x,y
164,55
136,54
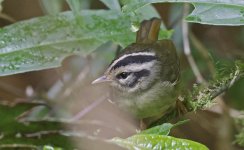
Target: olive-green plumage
x,y
144,75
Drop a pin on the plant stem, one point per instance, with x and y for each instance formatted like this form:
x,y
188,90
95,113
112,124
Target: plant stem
x,y
204,52
187,50
203,98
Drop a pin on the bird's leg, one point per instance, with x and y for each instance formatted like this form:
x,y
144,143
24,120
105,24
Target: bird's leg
x,y
180,107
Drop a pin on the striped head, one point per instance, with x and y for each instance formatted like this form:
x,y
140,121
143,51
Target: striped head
x,y
132,72
144,75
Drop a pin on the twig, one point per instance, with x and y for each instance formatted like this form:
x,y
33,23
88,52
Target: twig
x,y
83,112
203,98
187,50
204,52
225,88
7,17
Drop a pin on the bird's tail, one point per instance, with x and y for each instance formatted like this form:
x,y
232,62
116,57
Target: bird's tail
x,y
149,30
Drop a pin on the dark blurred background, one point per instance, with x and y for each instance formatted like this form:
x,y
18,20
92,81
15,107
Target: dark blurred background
x,y
68,88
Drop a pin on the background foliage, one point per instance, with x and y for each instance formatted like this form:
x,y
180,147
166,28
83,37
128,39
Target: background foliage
x,y
94,31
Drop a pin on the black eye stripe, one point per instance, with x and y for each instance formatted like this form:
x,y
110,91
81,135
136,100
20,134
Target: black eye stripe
x,y
138,59
142,73
138,75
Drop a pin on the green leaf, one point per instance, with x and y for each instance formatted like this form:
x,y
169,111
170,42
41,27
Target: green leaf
x,y
214,12
147,12
217,14
157,142
52,7
75,5
163,129
112,4
48,147
17,132
44,42
16,109
136,4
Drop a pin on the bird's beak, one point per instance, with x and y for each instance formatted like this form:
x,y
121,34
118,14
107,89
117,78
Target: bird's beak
x,y
101,80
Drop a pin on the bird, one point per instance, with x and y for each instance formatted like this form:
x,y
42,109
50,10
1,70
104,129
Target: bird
x,y
144,75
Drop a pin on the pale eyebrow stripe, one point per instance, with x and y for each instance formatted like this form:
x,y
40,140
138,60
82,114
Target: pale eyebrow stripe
x,y
129,55
138,59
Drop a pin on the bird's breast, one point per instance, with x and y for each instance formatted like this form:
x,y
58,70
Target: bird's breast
x,y
148,103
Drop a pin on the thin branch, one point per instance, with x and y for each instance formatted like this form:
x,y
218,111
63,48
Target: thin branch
x,y
225,88
203,98
204,52
89,108
7,17
187,50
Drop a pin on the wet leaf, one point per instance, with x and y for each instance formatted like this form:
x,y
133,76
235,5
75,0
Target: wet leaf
x,y
114,4
52,7
217,14
214,12
157,142
163,129
75,5
17,132
43,42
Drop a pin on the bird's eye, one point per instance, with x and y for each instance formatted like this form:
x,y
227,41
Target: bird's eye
x,y
123,75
